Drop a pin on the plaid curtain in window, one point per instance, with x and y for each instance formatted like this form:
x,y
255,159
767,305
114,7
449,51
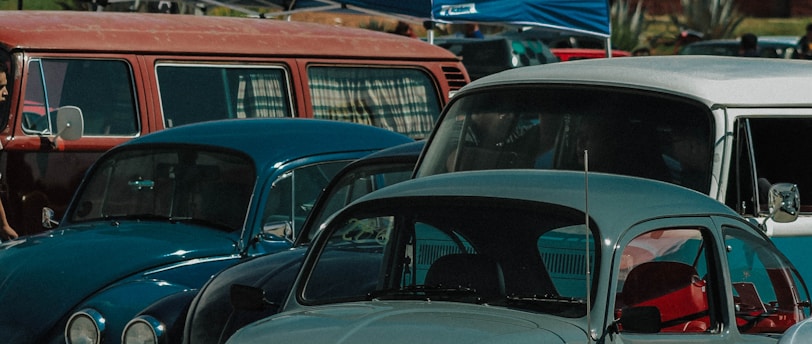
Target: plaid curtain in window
x,y
260,95
396,99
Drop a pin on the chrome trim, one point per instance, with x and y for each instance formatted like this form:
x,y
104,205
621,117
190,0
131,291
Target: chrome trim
x,y
191,262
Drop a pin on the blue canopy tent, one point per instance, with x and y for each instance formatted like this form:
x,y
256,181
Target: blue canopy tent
x,y
589,17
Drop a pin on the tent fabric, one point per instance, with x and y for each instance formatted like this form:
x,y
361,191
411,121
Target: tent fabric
x,y
585,16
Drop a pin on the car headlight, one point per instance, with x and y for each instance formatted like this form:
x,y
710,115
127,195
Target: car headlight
x,y
143,330
85,327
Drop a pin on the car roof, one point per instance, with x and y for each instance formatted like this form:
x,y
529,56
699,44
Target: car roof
x,y
709,79
292,138
129,33
615,202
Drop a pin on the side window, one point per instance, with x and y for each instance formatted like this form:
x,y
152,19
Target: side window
x,y
292,196
197,93
358,183
666,270
399,99
102,89
765,289
762,160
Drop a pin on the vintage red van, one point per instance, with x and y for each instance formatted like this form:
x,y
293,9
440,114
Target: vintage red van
x,y
134,73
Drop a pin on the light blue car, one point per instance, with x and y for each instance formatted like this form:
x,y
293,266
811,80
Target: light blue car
x,y
157,216
528,256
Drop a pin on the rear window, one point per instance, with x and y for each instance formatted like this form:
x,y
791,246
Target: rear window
x,y
623,132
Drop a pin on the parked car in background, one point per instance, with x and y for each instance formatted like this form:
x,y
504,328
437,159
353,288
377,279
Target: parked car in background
x,y
567,46
255,288
727,127
785,47
539,257
484,56
135,73
157,216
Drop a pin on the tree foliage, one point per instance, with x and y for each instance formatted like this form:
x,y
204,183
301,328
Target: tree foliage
x,y
712,18
627,25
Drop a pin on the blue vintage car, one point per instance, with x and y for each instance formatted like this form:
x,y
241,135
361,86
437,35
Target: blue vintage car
x,y
254,288
524,256
159,215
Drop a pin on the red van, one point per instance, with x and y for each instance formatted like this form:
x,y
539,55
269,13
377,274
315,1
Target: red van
x,y
130,74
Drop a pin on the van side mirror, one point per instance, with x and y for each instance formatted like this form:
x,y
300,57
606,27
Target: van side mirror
x,y
784,202
69,124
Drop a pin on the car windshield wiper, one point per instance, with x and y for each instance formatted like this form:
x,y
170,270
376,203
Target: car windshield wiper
x,y
170,219
547,298
425,292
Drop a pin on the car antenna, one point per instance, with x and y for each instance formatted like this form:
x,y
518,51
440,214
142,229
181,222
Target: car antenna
x,y
586,245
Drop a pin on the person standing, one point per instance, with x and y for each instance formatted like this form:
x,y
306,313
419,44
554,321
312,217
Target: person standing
x,y
7,232
748,46
805,44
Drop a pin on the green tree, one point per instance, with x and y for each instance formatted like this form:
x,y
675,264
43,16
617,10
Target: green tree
x,y
627,25
713,18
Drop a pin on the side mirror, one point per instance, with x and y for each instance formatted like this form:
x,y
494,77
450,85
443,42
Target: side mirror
x,y
784,202
70,124
645,319
48,218
277,229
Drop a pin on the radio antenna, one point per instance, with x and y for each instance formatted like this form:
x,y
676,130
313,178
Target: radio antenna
x,y
586,246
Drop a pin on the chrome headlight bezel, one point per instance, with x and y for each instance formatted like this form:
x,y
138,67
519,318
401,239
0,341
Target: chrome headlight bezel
x,y
88,324
144,326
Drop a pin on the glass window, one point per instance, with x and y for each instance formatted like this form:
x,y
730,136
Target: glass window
x,y
627,133
666,269
292,196
102,89
176,184
196,93
358,183
399,99
508,254
768,150
766,291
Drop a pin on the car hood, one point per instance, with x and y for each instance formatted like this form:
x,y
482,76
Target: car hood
x,y
410,322
42,277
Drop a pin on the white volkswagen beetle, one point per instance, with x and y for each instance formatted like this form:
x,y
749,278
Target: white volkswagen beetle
x,y
529,256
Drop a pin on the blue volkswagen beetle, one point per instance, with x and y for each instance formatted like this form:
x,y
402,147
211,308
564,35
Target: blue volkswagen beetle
x,y
514,256
161,214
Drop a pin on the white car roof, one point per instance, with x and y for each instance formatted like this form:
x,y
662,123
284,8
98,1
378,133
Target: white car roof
x,y
714,80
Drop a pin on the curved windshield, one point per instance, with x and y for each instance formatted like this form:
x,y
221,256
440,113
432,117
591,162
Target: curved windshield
x,y
189,184
633,133
499,252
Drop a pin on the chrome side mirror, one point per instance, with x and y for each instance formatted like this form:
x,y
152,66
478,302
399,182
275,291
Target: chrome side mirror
x,y
277,229
48,218
784,202
70,124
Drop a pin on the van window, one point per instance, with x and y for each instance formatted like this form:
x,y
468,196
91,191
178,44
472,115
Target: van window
x,y
196,93
398,99
102,89
767,151
624,132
